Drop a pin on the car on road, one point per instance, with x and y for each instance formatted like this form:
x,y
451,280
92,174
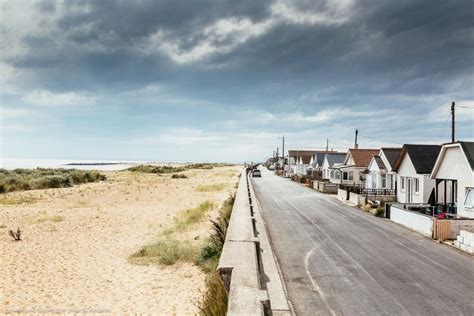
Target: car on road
x,y
256,173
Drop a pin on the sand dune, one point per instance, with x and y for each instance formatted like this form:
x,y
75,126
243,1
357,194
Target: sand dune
x,y
73,256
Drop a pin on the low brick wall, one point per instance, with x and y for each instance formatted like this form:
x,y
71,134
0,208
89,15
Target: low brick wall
x,y
325,187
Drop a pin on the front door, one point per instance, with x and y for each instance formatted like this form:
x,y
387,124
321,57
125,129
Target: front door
x,y
409,190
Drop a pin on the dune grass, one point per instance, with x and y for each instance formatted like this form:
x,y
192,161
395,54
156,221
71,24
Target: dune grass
x,y
16,200
214,299
45,178
167,251
211,187
156,169
46,218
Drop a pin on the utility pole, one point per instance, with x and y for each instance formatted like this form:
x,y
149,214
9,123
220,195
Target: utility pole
x,y
283,148
453,120
277,160
356,146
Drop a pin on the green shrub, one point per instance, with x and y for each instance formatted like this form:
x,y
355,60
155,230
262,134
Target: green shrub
x,y
155,169
380,212
179,176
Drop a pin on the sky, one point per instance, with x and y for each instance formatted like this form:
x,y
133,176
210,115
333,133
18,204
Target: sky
x,y
222,80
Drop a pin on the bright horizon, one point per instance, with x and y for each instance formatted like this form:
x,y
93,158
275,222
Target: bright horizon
x,y
220,81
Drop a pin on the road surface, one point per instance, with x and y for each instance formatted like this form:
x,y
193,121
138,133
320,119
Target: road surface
x,y
338,260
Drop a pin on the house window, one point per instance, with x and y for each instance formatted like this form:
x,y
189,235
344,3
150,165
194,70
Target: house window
x,y
332,174
345,176
402,183
469,202
338,175
351,175
417,185
383,176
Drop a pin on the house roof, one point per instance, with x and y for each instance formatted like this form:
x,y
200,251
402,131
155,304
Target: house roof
x,y
294,153
391,154
362,157
468,148
335,158
319,157
423,157
379,162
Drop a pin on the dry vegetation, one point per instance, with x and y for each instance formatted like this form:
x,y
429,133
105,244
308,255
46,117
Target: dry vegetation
x,y
76,243
40,178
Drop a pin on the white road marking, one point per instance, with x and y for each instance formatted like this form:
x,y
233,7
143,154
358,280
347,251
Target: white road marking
x,y
315,284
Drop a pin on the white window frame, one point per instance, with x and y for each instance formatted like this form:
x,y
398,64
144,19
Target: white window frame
x,y
402,184
351,175
416,184
469,191
383,178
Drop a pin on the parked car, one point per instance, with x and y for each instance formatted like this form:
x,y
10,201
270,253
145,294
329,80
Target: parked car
x,y
256,173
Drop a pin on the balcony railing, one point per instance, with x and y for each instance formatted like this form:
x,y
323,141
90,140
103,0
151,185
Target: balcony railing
x,y
359,189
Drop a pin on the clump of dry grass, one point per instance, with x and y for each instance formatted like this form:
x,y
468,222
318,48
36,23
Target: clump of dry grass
x,y
46,218
214,300
166,251
211,187
15,200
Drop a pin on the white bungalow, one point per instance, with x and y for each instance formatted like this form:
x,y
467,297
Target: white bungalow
x,y
329,161
300,160
380,170
355,163
413,168
454,176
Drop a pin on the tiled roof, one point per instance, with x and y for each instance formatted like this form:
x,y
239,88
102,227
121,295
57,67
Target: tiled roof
x,y
362,157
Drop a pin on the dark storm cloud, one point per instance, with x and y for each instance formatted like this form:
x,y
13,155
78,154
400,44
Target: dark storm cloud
x,y
410,46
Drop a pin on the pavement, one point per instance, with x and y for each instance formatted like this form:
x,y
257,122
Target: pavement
x,y
338,260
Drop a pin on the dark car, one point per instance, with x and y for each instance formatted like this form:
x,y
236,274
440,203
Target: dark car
x,y
256,173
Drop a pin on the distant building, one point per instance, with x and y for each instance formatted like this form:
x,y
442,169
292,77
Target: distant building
x,y
355,163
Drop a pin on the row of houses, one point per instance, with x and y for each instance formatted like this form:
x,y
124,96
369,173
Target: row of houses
x,y
436,175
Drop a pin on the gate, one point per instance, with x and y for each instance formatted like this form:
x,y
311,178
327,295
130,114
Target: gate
x,y
387,210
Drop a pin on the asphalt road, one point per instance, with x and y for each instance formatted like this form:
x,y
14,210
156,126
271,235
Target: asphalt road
x,y
338,260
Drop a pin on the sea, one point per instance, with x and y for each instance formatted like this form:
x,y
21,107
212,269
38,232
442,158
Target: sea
x,y
82,164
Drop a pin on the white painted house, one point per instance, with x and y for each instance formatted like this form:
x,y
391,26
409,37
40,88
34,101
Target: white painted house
x,y
380,170
300,160
329,161
354,166
413,168
454,176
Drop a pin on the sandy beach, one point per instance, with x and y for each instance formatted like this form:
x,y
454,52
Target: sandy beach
x,y
76,241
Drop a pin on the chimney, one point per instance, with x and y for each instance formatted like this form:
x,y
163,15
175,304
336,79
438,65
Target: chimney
x,y
356,146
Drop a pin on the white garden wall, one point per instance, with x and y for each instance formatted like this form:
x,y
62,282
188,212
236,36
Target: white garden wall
x,y
418,222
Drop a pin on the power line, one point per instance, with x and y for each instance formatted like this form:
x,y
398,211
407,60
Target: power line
x,y
379,140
